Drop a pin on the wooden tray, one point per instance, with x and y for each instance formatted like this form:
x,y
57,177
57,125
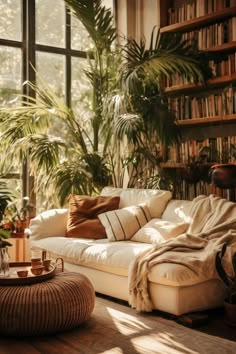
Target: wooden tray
x,y
13,278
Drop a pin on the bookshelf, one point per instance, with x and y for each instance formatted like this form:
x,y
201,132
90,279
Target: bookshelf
x,y
206,113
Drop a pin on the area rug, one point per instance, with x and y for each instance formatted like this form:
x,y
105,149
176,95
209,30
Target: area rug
x,y
115,328
126,331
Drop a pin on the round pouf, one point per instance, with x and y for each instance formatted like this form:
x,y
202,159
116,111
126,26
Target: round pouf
x,y
60,303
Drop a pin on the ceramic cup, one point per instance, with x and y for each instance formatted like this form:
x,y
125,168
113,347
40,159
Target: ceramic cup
x,y
47,263
35,262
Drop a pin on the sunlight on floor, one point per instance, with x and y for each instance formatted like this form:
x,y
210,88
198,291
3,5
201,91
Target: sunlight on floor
x,y
127,324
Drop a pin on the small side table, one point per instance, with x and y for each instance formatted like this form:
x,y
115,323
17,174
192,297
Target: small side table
x,y
20,249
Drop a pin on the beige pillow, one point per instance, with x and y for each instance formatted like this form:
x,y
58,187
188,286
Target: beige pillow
x,y
122,224
158,231
158,203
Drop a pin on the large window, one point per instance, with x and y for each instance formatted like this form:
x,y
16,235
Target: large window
x,y
41,34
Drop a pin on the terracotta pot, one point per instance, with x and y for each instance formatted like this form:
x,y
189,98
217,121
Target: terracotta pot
x,y
230,314
223,175
20,226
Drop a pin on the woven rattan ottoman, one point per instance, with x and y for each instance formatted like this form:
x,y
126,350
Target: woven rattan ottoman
x,y
60,303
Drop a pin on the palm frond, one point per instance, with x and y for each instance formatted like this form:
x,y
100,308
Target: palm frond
x,y
167,55
70,177
129,125
97,20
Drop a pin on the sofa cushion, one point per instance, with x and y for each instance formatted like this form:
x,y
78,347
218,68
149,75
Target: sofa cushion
x,y
177,211
115,258
49,223
122,224
83,213
156,199
158,230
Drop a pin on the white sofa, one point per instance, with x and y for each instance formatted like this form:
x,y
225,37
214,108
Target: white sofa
x,y
173,288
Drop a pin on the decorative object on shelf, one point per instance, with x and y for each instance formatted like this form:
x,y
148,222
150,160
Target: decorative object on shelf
x,y
230,282
223,175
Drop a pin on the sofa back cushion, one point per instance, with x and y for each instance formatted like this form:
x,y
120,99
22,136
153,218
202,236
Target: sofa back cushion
x,y
122,224
50,223
177,211
156,199
83,214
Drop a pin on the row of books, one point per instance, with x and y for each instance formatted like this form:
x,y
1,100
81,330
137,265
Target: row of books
x,y
219,149
223,67
214,35
187,191
196,8
218,103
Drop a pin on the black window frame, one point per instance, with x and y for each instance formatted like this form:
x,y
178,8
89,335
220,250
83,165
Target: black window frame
x,y
29,49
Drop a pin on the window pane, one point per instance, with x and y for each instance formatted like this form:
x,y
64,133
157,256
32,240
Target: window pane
x,y
50,22
79,36
10,74
108,4
81,92
51,68
10,19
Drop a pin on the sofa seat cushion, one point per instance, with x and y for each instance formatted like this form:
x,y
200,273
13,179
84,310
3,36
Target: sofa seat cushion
x,y
115,258
111,257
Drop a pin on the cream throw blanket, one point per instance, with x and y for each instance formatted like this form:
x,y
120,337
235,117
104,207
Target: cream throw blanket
x,y
213,223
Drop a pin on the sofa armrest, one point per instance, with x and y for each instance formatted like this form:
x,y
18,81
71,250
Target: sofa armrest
x,y
50,223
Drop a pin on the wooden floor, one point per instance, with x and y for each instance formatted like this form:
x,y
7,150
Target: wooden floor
x,y
98,335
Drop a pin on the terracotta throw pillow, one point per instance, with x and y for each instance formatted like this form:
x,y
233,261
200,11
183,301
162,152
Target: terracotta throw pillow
x,y
83,214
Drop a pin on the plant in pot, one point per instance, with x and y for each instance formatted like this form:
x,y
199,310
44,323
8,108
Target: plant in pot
x,y
230,282
88,155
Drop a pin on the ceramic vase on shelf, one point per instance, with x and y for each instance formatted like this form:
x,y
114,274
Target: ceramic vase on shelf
x,y
223,175
4,262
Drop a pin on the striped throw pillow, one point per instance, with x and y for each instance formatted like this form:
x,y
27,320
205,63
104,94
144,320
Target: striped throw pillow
x,y
122,224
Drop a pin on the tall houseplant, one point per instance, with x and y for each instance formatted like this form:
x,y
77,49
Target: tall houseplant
x,y
146,121
77,162
87,158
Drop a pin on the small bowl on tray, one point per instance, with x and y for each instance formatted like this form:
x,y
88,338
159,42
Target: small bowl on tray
x,y
38,270
22,273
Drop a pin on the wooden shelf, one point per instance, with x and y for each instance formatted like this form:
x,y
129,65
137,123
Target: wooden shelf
x,y
210,84
173,165
226,47
208,120
201,21
184,165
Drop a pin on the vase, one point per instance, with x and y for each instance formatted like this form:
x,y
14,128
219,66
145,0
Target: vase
x,y
4,262
223,176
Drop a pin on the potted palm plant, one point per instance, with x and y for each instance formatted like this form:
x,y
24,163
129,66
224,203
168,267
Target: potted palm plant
x,y
230,282
90,156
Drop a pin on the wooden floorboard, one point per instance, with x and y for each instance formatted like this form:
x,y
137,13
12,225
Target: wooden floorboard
x,y
99,334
